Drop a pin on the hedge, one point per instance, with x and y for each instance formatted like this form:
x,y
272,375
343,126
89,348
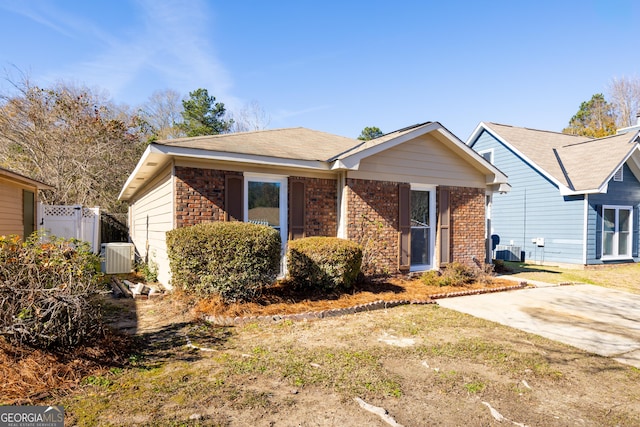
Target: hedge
x,y
235,260
326,263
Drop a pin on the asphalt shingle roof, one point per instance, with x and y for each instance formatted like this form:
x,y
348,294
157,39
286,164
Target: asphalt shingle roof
x,y
578,162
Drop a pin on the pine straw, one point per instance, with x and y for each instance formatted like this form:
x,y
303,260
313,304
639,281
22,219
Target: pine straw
x,y
282,299
30,375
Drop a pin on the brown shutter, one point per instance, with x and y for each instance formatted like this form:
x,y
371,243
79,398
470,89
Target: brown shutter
x,y
444,221
233,198
404,227
297,213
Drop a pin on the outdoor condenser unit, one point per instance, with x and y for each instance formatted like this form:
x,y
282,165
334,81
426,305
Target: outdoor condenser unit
x,y
117,258
507,252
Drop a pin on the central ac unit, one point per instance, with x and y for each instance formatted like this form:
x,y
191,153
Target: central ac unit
x,y
118,258
507,252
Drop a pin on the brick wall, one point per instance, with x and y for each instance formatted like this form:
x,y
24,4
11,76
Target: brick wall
x,y
467,224
199,195
321,206
372,221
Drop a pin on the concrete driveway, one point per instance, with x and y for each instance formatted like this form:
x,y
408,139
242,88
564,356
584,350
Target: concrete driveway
x,y
596,319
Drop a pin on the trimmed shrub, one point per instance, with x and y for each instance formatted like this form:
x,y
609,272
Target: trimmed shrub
x,y
47,291
326,263
234,260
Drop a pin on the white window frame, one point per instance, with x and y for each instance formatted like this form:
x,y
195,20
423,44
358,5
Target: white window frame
x,y
616,250
432,227
489,152
284,208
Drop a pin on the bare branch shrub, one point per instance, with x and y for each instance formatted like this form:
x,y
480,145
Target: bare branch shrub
x,y
47,290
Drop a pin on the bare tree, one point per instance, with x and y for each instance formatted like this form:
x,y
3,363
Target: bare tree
x,y
162,112
251,117
72,139
625,98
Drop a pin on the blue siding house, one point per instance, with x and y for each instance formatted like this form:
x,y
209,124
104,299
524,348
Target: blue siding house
x,y
574,199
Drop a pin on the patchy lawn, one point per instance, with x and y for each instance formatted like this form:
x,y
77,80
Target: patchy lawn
x,y
624,277
424,364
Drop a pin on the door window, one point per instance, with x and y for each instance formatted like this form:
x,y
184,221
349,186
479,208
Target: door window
x,y
421,229
616,231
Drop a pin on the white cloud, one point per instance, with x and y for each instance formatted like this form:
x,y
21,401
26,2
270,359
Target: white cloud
x,y
169,46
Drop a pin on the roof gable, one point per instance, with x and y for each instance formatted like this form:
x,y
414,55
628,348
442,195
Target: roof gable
x,y
575,163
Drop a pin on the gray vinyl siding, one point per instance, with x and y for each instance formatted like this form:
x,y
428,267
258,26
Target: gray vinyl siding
x,y
534,208
625,193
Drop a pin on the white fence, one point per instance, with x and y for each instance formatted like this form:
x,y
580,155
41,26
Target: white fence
x,y
71,222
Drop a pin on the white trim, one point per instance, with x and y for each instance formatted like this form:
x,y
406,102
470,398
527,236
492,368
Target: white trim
x,y
432,226
342,205
585,231
200,153
284,203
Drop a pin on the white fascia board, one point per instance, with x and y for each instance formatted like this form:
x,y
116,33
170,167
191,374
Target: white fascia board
x,y
482,126
475,134
136,170
197,153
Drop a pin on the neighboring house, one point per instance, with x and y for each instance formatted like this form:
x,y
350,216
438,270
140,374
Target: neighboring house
x,y
574,199
18,203
414,198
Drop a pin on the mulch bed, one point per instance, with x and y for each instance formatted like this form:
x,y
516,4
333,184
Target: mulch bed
x,y
30,375
284,300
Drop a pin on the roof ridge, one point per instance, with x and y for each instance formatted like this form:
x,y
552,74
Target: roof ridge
x,y
220,135
541,130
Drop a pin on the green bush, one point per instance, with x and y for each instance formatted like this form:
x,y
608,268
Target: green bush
x,y
325,263
455,274
47,291
234,260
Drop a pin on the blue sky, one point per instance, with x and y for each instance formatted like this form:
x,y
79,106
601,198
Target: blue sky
x,y
336,66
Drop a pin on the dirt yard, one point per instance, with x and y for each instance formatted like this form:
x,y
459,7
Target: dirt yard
x,y
423,364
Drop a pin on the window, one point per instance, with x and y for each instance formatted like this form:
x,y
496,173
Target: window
x,y
617,226
266,202
487,155
619,175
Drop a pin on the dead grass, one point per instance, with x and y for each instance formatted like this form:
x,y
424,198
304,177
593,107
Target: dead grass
x,y
284,299
29,375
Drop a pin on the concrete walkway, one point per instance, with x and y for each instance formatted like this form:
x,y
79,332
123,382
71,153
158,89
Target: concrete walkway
x,y
596,319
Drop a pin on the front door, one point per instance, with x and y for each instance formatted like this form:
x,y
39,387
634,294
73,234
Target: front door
x,y
616,231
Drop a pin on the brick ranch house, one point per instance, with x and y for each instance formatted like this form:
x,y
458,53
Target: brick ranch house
x,y
414,198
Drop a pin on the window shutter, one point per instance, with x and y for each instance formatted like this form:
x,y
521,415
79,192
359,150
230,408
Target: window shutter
x,y
598,231
404,227
444,230
296,212
234,198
